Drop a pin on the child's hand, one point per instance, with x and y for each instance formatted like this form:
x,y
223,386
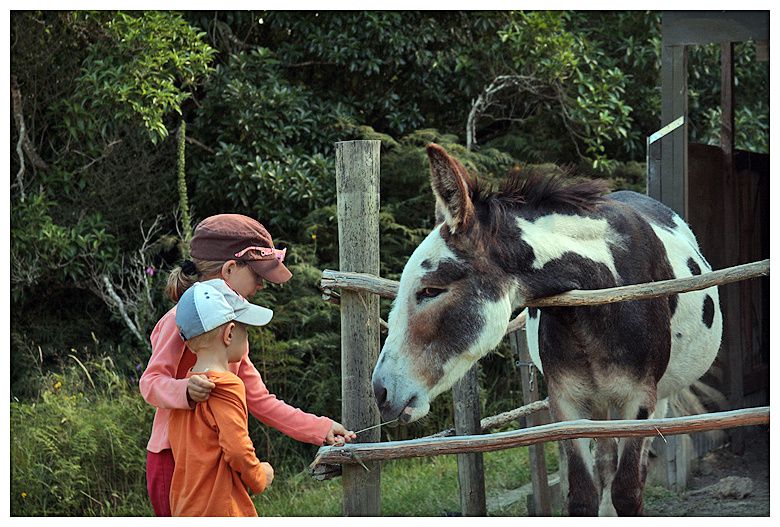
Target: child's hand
x,y
338,435
199,388
269,472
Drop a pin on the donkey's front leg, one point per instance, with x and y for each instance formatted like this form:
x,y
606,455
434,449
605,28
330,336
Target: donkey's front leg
x,y
583,498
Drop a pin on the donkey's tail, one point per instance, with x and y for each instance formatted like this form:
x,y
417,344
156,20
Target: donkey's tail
x,y
699,398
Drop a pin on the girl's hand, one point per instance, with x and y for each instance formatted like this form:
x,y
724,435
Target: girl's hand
x,y
338,435
199,388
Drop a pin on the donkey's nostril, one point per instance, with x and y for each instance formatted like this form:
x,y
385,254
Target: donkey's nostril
x,y
380,392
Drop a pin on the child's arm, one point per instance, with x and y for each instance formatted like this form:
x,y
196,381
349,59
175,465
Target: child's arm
x,y
158,384
294,422
230,417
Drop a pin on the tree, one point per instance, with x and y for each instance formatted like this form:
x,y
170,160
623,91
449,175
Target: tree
x,y
96,92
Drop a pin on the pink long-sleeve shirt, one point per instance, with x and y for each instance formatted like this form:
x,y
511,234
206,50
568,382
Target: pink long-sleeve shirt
x,y
164,386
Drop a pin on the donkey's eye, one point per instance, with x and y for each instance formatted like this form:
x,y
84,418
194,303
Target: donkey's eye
x,y
429,292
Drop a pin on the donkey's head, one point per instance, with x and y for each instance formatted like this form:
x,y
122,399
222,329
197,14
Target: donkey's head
x,y
454,301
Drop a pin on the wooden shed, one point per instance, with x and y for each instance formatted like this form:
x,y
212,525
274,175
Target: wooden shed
x,y
723,193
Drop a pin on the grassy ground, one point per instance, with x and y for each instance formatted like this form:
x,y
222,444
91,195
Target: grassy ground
x,y
410,487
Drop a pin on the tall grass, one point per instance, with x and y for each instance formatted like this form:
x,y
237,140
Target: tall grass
x,y
79,449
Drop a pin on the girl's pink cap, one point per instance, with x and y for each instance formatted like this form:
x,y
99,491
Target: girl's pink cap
x,y
238,237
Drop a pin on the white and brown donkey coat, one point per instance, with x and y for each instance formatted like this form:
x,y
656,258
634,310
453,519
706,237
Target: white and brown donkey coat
x,y
492,252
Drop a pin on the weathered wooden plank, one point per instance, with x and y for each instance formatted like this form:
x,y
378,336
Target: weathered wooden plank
x,y
739,362
653,157
685,28
357,185
579,297
471,468
325,472
495,421
674,146
655,289
705,194
363,452
517,323
653,160
727,98
530,384
358,282
732,307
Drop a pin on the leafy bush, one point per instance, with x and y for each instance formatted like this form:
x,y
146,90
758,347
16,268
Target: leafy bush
x,y
273,139
398,71
46,251
94,86
581,87
79,449
751,102
140,69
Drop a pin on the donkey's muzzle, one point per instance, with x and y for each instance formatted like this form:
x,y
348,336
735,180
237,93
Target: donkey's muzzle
x,y
388,410
390,406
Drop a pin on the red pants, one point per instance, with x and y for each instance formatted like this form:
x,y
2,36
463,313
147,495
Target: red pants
x,y
159,474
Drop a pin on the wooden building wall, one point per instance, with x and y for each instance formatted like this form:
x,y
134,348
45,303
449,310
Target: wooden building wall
x,y
736,212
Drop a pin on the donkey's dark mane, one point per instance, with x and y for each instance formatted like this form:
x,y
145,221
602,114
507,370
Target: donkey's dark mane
x,y
550,190
539,190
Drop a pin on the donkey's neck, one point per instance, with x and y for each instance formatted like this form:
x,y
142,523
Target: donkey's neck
x,y
566,252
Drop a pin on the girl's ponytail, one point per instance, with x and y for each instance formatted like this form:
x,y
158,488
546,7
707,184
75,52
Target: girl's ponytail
x,y
182,277
178,283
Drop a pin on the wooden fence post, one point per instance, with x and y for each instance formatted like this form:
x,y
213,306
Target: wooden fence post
x,y
731,297
471,469
357,187
539,484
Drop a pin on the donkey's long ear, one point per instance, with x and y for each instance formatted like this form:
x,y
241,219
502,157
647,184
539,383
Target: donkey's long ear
x,y
448,181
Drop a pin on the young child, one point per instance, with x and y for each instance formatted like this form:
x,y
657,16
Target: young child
x,y
240,251
215,459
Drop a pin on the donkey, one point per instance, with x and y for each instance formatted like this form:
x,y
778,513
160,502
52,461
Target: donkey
x,y
494,251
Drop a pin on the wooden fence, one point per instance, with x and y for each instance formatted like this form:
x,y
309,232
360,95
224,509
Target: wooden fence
x,y
359,453
357,175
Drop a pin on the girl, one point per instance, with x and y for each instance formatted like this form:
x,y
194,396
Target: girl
x,y
239,250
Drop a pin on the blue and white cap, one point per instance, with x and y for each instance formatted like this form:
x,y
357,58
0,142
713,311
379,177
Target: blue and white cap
x,y
208,305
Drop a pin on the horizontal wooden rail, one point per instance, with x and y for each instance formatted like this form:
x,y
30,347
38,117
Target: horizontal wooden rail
x,y
362,452
655,289
325,471
389,288
516,323
358,282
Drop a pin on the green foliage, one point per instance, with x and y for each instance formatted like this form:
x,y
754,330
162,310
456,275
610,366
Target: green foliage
x,y
43,250
79,449
397,71
82,214
586,84
751,109
272,142
140,69
631,45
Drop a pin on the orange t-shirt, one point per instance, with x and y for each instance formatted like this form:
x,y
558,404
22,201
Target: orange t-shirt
x,y
214,457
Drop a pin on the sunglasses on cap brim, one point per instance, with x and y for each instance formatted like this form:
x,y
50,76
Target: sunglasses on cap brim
x,y
265,253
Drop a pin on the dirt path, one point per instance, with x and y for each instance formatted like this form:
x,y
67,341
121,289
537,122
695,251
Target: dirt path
x,y
724,484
